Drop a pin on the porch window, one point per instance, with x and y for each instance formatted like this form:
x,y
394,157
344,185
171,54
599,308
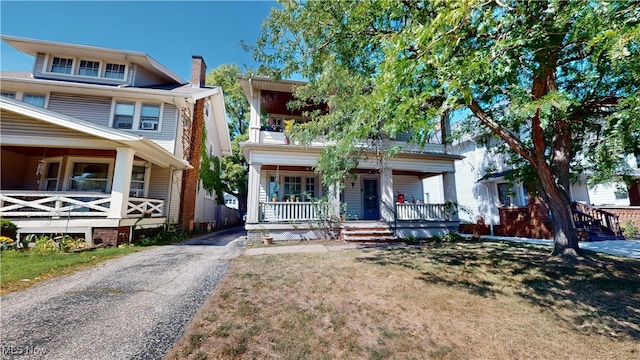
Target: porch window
x,y
123,118
525,194
503,194
9,94
62,65
274,189
89,68
292,187
89,177
51,176
137,181
310,189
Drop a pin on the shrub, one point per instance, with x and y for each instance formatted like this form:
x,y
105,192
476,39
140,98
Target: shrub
x,y
630,230
8,228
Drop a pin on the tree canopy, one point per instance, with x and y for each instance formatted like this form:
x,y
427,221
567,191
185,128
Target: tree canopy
x,y
556,80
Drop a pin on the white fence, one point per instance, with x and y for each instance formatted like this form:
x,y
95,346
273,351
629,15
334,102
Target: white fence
x,y
292,211
421,212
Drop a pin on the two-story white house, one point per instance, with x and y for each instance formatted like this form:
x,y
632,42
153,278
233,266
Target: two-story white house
x,y
95,140
380,202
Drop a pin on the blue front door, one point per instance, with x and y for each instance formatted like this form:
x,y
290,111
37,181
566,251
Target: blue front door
x,y
370,199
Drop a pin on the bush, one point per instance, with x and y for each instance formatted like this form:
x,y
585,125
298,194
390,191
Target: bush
x,y
8,228
630,230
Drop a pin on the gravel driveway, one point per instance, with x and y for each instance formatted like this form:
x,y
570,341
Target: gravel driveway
x,y
134,307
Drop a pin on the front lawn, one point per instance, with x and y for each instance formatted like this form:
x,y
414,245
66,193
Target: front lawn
x,y
21,269
460,300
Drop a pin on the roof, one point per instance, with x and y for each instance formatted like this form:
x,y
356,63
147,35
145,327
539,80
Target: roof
x,y
33,47
265,83
144,147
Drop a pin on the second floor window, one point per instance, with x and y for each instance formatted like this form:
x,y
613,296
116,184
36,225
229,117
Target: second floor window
x,y
123,118
149,117
34,99
89,68
9,94
62,65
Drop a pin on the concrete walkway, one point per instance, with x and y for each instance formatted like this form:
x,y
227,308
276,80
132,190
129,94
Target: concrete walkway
x,y
627,248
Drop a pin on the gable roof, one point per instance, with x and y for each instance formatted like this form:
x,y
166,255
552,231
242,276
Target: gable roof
x,y
144,147
33,47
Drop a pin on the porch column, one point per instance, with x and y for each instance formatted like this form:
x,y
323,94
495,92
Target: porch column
x,y
449,190
334,200
254,121
387,205
121,183
253,198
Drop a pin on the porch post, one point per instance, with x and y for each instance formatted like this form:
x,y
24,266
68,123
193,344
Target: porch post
x,y
253,198
386,195
334,200
121,183
449,190
254,121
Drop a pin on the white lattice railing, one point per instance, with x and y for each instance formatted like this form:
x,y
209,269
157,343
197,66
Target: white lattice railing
x,y
137,207
292,211
54,204
420,212
72,204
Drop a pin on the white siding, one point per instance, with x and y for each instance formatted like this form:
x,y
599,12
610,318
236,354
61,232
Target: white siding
x,y
410,186
14,124
174,207
602,195
352,197
580,193
146,78
96,109
159,182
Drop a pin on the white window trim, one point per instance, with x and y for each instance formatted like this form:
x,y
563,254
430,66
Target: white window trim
x,y
147,176
48,62
69,170
303,183
137,110
20,97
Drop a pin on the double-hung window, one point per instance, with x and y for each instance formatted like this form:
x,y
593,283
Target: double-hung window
x,y
149,116
123,115
88,176
138,174
89,68
9,94
62,65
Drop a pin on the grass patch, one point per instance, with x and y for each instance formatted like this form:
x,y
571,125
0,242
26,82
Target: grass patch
x,y
441,300
21,269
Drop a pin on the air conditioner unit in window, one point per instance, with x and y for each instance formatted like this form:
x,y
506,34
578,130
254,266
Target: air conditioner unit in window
x,y
148,125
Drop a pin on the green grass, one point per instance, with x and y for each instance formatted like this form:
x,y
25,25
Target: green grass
x,y
21,269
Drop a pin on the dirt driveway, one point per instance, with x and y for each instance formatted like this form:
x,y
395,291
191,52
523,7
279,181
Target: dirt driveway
x,y
134,307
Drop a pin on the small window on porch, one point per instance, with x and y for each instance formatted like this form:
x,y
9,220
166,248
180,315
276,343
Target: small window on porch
x,y
51,176
138,174
310,189
89,177
503,194
274,189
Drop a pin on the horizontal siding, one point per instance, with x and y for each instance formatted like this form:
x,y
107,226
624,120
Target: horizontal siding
x,y
174,207
410,186
145,78
264,179
352,197
159,182
12,166
39,64
14,124
96,109
605,195
580,192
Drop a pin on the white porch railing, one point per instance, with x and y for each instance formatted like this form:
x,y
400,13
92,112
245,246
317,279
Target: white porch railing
x,y
71,204
137,207
292,211
420,212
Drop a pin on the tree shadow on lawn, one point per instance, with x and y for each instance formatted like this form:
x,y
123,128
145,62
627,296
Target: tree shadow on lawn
x,y
596,293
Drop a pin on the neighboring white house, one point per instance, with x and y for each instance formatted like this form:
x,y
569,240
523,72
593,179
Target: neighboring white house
x,y
283,186
95,140
483,189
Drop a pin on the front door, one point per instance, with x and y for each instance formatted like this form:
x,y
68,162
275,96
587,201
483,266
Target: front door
x,y
370,199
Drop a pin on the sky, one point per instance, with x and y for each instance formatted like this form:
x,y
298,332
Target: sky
x,y
168,31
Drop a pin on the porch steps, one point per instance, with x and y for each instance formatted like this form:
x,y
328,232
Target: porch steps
x,y
367,232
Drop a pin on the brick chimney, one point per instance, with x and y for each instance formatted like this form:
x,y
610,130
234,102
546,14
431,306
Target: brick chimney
x,y
198,71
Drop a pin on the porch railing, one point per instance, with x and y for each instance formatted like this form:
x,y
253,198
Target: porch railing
x,y
72,204
292,211
421,212
592,218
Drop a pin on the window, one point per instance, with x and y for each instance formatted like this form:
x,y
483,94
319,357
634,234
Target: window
x,y
9,94
621,194
89,176
137,181
503,194
62,65
310,189
34,99
525,194
114,71
51,176
149,117
123,118
89,68
274,189
292,187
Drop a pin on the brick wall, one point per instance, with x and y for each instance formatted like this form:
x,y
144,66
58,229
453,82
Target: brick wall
x,y
625,213
107,236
